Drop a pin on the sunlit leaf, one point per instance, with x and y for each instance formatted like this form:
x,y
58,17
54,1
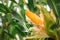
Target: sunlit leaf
x,y
13,1
4,9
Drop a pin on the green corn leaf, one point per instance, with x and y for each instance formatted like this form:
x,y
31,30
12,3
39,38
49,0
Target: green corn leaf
x,y
48,23
17,16
23,14
14,22
29,25
31,5
11,5
4,9
54,4
10,35
13,1
12,30
16,28
21,3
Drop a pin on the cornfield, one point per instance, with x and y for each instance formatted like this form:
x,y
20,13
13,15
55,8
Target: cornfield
x,y
29,19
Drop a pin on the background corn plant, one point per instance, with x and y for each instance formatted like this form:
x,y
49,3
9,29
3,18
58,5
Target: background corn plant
x,y
14,22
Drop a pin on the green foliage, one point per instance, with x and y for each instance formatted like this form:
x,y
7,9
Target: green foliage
x,y
4,9
49,23
15,20
54,5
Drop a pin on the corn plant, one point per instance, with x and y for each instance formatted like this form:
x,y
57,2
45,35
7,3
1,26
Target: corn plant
x,y
14,25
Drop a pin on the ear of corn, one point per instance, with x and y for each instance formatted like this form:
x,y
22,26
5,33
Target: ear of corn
x,y
38,21
34,18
